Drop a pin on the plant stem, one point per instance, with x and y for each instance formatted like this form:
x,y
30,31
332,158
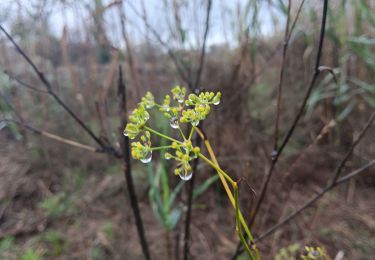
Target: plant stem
x,y
217,168
161,147
224,177
191,132
182,134
161,135
238,222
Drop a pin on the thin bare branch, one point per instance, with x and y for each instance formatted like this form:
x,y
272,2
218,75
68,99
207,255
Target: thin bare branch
x,y
181,68
298,116
311,201
281,77
203,51
354,144
52,136
47,84
24,84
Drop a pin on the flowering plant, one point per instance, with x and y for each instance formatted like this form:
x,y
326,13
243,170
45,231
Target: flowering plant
x,y
180,110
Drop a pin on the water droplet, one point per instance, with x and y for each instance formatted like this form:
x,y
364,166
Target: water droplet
x,y
195,123
125,133
273,155
167,156
217,102
174,122
181,98
147,158
185,176
166,108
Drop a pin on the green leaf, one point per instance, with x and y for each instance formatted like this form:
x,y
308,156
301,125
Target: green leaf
x,y
175,193
349,108
362,40
204,186
173,218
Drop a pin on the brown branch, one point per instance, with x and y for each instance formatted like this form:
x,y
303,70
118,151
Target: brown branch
x,y
277,153
23,83
47,84
354,144
179,65
311,201
297,118
203,51
129,51
52,136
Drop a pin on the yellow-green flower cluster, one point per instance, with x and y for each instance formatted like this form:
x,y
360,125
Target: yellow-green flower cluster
x,y
178,108
142,150
148,101
137,120
185,152
201,107
179,94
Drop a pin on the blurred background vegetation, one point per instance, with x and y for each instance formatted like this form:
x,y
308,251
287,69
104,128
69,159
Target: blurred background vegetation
x,y
59,202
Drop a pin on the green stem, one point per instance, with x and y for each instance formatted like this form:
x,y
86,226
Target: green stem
x,y
191,132
238,223
161,135
161,147
217,168
182,134
230,196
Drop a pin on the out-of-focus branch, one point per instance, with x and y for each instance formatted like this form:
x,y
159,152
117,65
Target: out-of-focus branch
x,y
47,84
129,51
52,136
24,84
203,51
281,78
311,201
298,116
181,68
277,153
354,144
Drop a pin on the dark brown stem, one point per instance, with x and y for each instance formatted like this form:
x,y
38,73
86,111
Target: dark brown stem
x,y
127,170
198,142
277,153
296,119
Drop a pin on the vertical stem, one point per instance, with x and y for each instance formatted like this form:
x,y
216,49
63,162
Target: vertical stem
x,y
168,245
127,171
190,203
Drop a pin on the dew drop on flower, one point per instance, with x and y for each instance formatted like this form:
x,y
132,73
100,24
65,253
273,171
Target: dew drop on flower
x,y
195,123
166,108
125,133
217,102
186,176
180,99
167,156
147,158
174,122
